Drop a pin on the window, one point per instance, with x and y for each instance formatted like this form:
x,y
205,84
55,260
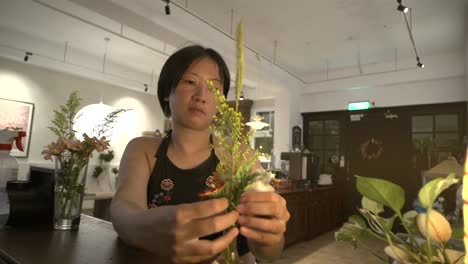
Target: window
x,y
263,138
324,142
435,137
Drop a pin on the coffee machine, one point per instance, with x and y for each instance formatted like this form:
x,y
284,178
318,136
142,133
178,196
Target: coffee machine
x,y
302,165
32,201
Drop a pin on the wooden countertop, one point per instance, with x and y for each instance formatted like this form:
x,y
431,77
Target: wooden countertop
x,y
94,242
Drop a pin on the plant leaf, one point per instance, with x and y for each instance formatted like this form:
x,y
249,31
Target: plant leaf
x,y
381,191
410,221
372,206
355,229
429,192
379,224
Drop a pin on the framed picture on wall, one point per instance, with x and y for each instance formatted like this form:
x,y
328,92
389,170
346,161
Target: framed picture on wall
x,y
16,115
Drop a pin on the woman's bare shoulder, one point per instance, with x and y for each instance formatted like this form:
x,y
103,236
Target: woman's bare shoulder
x,y
140,153
145,143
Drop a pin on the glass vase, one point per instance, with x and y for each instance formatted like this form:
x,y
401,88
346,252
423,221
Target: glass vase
x,y
70,180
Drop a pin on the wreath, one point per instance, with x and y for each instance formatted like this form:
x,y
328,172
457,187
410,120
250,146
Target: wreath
x,y
371,149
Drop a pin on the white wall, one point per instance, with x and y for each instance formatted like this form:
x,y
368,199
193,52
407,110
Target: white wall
x,y
442,80
400,94
48,89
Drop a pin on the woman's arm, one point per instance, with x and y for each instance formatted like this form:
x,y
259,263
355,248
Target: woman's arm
x,y
130,199
170,232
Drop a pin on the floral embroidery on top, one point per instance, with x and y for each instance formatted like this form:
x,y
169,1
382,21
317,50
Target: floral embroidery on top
x,y
209,182
165,195
167,184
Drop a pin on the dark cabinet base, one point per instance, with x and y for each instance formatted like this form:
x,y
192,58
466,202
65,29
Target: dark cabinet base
x,y
313,212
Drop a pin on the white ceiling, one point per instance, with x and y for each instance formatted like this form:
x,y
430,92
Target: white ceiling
x,y
309,34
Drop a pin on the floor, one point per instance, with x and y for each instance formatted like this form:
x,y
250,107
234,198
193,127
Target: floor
x,y
325,250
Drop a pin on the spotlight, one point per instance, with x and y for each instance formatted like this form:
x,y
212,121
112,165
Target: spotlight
x,y
167,7
420,65
26,57
146,87
401,7
241,97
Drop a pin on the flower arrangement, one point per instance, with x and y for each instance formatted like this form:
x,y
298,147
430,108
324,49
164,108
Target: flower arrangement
x,y
233,175
427,230
71,157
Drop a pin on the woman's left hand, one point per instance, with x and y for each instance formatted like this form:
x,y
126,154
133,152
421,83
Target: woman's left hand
x,y
263,217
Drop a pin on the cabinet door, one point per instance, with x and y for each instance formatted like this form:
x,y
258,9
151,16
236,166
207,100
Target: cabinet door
x,y
291,203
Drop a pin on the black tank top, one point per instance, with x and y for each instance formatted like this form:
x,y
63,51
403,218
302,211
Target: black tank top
x,y
170,185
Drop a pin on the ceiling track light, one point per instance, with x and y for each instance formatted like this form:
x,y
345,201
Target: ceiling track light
x,y
26,57
146,87
404,9
167,8
242,96
420,64
401,7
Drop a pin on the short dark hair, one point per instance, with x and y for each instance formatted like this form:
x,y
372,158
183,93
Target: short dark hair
x,y
178,63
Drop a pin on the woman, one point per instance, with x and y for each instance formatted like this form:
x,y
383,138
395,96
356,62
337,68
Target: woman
x,y
157,207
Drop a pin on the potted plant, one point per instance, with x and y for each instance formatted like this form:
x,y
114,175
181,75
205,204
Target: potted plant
x,y
427,232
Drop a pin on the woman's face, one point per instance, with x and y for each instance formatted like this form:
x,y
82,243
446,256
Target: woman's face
x,y
192,103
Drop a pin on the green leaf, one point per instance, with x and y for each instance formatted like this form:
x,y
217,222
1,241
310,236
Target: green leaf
x,y
378,224
354,229
381,191
424,248
429,192
410,221
372,206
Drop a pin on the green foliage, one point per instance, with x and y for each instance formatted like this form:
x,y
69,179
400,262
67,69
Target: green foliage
x,y
235,169
72,155
115,171
63,119
353,231
409,219
97,171
107,157
429,192
381,191
103,128
378,193
240,62
372,206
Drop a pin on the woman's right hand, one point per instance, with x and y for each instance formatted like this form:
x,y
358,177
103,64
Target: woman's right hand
x,y
173,232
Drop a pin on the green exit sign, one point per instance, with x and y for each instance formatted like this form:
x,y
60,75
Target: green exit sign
x,y
359,106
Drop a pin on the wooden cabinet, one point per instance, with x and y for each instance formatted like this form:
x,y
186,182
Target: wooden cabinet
x,y
313,212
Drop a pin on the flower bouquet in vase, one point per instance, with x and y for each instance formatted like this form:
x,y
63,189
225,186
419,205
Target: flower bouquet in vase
x,y
236,172
71,158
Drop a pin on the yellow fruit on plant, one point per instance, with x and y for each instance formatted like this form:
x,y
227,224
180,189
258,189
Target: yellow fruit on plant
x,y
438,227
